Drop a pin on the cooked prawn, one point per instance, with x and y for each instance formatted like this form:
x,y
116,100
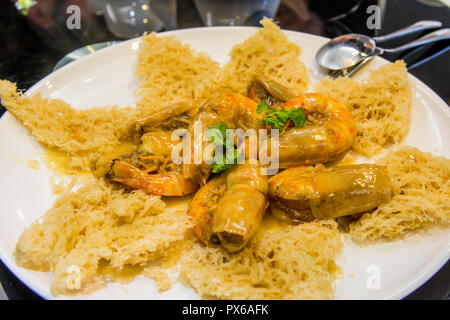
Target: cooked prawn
x,y
307,193
269,91
230,207
171,183
236,110
329,131
146,169
233,109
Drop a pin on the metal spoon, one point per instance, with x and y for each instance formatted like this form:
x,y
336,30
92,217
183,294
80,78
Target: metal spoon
x,y
348,50
439,35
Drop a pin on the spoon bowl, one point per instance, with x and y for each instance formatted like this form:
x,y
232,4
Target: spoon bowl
x,y
350,50
345,51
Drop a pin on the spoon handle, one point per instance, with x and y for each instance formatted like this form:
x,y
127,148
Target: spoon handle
x,y
348,72
416,27
443,34
430,57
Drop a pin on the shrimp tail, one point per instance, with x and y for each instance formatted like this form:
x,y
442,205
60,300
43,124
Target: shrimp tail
x,y
170,184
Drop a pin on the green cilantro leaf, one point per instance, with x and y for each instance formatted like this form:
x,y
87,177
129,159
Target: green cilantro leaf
x,y
227,161
273,122
262,107
298,117
277,118
217,136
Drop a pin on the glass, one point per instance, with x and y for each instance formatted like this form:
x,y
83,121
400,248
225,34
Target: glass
x,y
166,10
97,6
131,18
235,12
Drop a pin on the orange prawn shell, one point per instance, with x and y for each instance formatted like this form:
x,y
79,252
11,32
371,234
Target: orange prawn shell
x,y
340,124
200,208
294,183
234,108
171,184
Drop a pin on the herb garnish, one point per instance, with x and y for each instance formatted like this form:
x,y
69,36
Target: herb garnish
x,y
277,118
230,157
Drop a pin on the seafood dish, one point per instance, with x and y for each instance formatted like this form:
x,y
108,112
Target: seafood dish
x,y
238,180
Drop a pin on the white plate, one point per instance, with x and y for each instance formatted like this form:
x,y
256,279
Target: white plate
x,y
107,77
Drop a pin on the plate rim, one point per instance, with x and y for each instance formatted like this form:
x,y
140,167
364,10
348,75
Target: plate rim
x,y
398,294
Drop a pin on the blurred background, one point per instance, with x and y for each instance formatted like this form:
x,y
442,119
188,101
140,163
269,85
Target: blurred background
x,y
37,34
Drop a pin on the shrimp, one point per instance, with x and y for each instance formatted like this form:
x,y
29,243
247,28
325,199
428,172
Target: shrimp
x,y
329,131
230,207
169,184
146,169
136,170
183,110
158,142
269,91
233,109
307,193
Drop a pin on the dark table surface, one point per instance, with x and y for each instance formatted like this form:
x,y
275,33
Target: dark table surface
x,y
32,44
